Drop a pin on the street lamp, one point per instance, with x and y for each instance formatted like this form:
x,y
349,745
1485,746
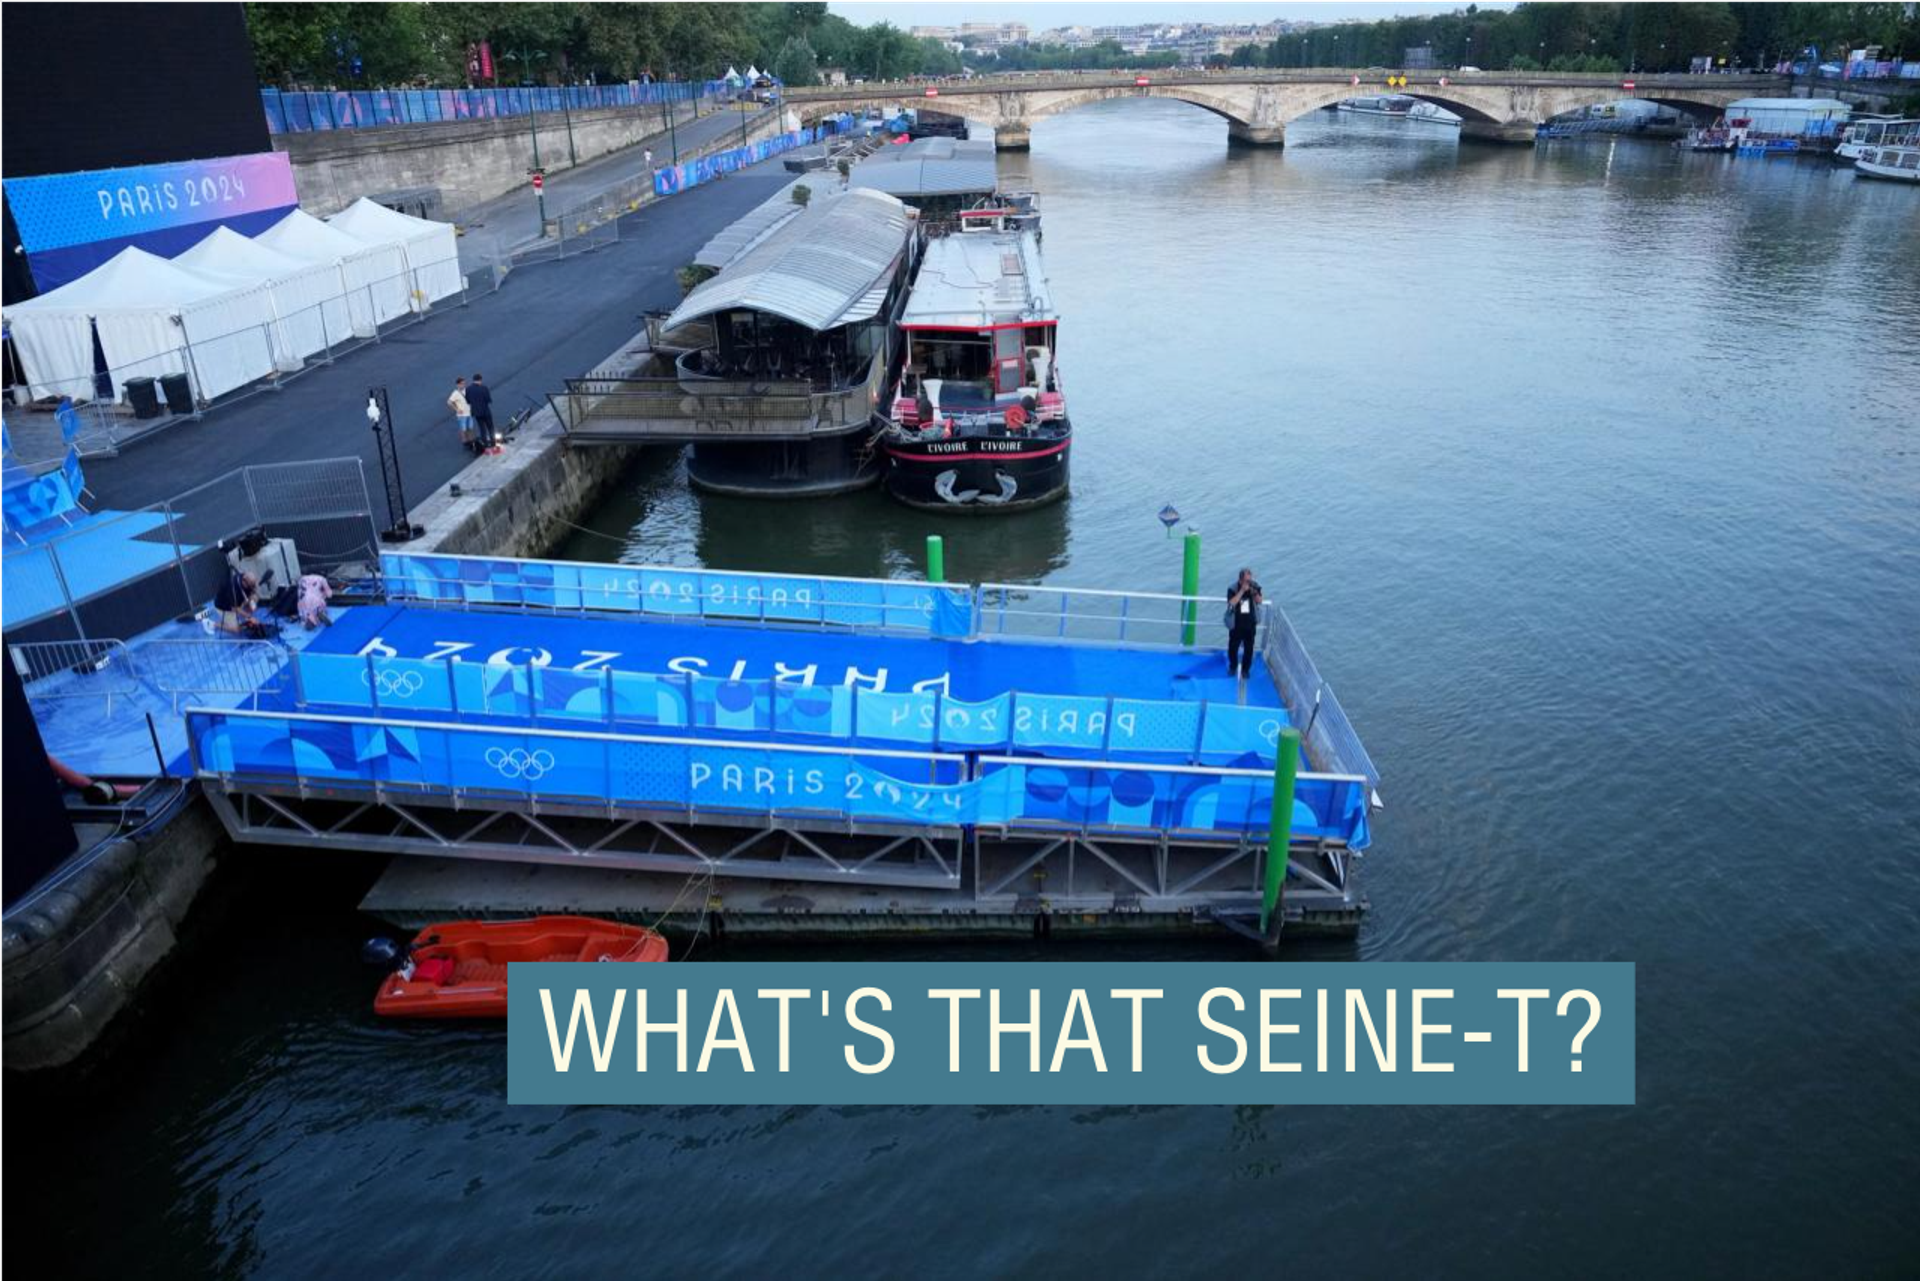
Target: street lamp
x,y
380,418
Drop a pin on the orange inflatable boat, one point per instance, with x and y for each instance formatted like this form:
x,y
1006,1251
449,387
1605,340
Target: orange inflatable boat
x,y
458,969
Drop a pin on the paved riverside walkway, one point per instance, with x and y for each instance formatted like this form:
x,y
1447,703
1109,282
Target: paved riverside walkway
x,y
496,227
549,321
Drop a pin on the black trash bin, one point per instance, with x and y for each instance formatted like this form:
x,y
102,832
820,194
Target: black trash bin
x,y
178,392
143,398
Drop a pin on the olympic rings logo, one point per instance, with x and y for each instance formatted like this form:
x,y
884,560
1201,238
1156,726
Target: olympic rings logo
x,y
517,762
394,684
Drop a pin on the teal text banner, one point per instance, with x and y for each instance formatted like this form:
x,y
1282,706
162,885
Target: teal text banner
x,y
1071,1032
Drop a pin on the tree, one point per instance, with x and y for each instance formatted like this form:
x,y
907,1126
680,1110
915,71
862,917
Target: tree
x,y
796,66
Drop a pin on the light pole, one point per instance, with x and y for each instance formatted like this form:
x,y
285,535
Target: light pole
x,y
380,418
533,127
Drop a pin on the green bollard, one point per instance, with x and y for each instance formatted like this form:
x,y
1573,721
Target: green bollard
x,y
1190,586
1286,767
936,559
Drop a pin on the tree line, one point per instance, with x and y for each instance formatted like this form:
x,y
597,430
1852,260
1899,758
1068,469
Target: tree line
x,y
345,45
1601,37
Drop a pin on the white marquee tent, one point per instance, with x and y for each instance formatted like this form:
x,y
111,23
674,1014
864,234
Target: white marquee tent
x,y
431,249
153,318
309,305
374,277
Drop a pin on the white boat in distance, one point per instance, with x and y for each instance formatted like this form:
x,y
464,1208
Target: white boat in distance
x,y
1873,133
1399,106
1893,164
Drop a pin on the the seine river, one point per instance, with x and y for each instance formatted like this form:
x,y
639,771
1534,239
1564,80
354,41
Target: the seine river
x,y
1591,476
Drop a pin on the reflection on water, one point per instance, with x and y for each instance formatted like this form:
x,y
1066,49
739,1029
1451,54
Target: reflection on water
x,y
1589,473
658,519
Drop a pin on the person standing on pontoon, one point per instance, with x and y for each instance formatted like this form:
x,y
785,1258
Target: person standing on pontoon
x,y
1243,620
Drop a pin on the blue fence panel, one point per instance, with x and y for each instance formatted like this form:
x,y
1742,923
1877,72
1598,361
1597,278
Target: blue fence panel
x,y
1142,725
741,706
1059,720
561,694
641,699
904,718
409,684
1243,736
334,680
975,726
822,710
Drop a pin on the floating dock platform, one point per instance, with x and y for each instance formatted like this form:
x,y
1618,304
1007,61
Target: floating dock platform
x,y
782,753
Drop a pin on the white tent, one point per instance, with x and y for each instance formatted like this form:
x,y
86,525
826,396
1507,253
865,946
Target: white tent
x,y
309,306
432,249
374,277
153,319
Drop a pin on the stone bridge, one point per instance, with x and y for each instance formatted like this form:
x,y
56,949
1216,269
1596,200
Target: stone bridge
x,y
1495,106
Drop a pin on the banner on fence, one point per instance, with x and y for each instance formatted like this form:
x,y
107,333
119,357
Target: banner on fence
x,y
691,173
849,783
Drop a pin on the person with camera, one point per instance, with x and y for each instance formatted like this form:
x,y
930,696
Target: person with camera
x,y
1243,620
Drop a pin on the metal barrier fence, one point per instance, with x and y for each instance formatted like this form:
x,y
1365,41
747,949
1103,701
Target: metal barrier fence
x,y
185,669
1328,736
122,574
81,669
293,344
172,671
1143,620
318,111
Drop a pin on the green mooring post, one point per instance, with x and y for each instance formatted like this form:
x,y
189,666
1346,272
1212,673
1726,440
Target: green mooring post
x,y
936,559
1190,586
1286,766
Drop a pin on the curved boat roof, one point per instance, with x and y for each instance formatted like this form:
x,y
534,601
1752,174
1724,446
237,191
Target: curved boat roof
x,y
830,266
748,229
929,167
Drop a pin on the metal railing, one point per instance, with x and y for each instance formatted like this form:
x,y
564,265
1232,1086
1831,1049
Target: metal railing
x,y
322,505
690,776
1328,736
671,409
1144,620
172,671
183,669
76,669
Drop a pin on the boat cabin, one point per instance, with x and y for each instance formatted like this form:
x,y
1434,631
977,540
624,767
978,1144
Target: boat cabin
x,y
980,334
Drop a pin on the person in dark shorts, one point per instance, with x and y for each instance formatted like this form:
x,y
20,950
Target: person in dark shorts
x,y
1243,620
480,401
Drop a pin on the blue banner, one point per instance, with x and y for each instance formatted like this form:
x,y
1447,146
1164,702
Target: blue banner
x,y
765,779
691,173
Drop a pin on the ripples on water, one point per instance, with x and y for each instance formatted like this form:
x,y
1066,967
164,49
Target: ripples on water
x,y
1590,475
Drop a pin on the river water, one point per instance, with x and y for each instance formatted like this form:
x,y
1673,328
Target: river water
x,y
1591,476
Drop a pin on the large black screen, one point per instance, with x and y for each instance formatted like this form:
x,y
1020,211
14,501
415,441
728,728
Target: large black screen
x,y
95,86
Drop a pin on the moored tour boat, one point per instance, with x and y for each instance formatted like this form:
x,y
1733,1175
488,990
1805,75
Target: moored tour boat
x,y
978,422
1892,164
458,969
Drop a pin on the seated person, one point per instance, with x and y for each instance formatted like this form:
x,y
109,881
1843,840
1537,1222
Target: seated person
x,y
238,603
